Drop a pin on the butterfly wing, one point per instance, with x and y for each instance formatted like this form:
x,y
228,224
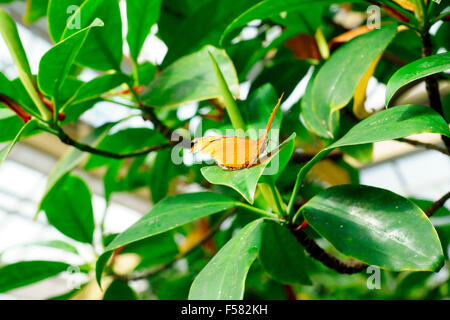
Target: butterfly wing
x,y
230,153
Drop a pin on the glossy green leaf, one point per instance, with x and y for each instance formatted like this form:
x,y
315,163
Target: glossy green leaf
x,y
119,290
56,244
224,276
393,123
161,175
337,79
100,265
376,226
36,9
102,49
417,70
171,213
191,78
282,256
27,128
23,273
141,16
56,63
74,157
68,208
245,180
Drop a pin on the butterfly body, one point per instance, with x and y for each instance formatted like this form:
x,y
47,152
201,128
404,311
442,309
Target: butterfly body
x,y
234,153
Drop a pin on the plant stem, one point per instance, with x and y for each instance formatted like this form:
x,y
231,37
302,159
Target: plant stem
x,y
431,83
230,104
437,205
257,210
316,252
87,148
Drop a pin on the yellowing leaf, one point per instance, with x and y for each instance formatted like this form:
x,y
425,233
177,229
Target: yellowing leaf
x,y
405,4
329,172
360,93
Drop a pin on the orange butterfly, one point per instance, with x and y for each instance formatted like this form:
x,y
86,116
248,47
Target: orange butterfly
x,y
235,153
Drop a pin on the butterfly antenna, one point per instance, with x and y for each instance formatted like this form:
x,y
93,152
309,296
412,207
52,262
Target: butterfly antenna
x,y
272,116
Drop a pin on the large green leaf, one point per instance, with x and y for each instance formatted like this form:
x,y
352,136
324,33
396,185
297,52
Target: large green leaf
x,y
393,123
103,47
23,273
245,180
68,208
27,128
171,213
336,81
376,226
191,78
224,276
56,62
141,16
417,70
282,256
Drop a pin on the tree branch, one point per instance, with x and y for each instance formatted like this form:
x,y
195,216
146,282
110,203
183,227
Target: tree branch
x,y
87,148
424,145
431,83
437,205
327,259
155,271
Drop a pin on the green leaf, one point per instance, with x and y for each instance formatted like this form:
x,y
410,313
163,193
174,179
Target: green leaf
x,y
97,87
102,49
56,62
205,26
417,70
171,213
224,276
100,265
142,15
245,180
74,157
337,79
10,124
26,129
36,9
8,30
23,273
376,226
161,175
59,12
393,123
282,256
153,251
68,208
119,290
191,78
